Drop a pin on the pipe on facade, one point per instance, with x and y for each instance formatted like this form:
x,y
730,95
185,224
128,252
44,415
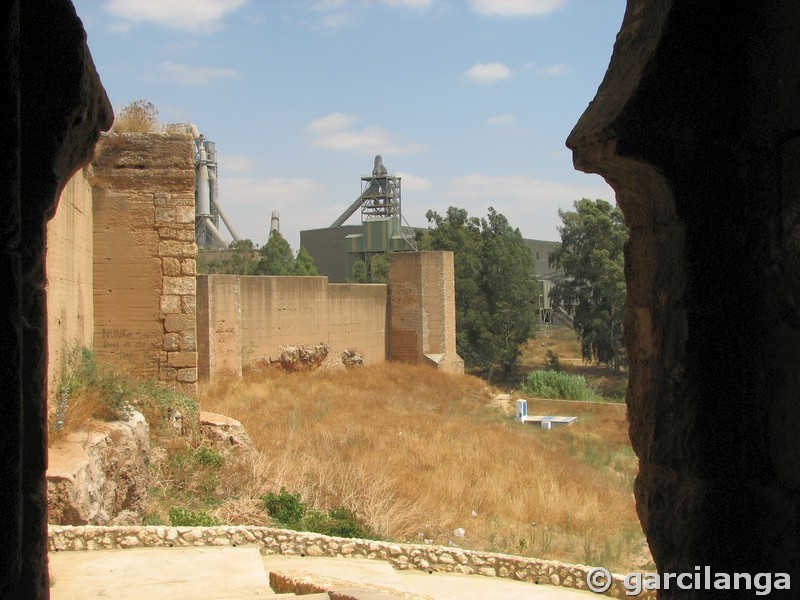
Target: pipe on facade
x,y
223,215
350,210
212,229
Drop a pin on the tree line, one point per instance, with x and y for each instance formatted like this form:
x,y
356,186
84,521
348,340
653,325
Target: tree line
x,y
273,258
496,283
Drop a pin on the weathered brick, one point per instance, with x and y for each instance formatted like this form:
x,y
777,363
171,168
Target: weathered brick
x,y
187,375
164,214
184,214
188,266
176,248
171,342
171,304
182,359
171,266
184,199
188,341
167,233
179,323
185,234
180,286
189,305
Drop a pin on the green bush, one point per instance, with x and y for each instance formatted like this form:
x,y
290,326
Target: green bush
x,y
286,509
183,517
205,455
344,523
557,384
289,511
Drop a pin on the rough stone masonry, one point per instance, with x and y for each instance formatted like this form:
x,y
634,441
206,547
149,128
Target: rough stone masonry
x,y
145,256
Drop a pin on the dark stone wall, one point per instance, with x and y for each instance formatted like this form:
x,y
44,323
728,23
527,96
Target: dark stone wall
x,y
695,126
54,109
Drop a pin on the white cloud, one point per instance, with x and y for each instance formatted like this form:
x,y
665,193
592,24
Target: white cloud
x,y
488,72
119,27
191,15
530,204
188,75
516,8
337,14
554,70
501,119
557,69
235,163
249,203
336,132
275,191
520,187
331,122
413,183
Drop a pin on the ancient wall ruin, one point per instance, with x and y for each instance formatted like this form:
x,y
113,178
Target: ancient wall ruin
x,y
128,236
144,255
70,307
245,320
422,310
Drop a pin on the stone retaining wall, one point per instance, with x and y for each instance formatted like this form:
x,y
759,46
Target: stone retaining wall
x,y
280,541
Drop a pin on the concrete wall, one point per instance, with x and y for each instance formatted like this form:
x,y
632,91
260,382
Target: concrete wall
x,y
144,255
70,309
245,319
422,319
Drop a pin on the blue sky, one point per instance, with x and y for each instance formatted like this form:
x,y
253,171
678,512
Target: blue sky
x,y
469,101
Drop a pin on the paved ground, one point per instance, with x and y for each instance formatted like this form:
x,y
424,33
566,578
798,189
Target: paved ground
x,y
204,573
212,573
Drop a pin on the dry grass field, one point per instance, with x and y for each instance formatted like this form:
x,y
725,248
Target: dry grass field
x,y
418,455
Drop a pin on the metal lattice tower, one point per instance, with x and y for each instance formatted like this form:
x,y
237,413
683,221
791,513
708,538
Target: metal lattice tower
x,y
380,193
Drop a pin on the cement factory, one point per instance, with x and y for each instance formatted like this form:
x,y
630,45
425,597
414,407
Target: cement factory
x,y
336,248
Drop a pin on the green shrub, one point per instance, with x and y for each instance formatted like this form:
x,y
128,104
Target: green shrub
x,y
183,517
289,511
557,384
286,509
344,523
205,455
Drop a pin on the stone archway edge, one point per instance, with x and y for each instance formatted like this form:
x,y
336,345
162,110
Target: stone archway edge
x,y
281,541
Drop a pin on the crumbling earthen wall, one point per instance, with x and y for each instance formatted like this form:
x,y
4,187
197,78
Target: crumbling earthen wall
x,y
422,310
244,320
70,308
144,255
